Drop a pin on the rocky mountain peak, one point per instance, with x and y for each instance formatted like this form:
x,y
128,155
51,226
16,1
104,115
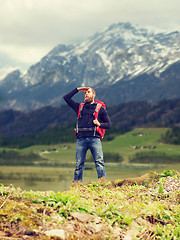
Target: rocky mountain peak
x,y
118,55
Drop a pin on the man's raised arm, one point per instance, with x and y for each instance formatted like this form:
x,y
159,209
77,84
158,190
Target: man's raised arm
x,y
70,102
83,89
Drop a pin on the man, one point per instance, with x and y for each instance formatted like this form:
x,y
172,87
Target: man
x,y
87,137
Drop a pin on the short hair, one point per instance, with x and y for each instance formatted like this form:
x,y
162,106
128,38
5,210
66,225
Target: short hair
x,y
92,89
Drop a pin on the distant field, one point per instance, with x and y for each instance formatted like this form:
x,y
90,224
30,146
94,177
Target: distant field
x,y
138,140
142,139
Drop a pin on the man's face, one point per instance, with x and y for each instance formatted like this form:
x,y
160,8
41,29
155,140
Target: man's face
x,y
89,96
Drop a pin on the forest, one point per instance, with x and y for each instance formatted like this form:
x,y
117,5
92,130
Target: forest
x,y
50,125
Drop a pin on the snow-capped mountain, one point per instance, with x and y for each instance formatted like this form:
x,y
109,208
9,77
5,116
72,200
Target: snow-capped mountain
x,y
121,56
5,71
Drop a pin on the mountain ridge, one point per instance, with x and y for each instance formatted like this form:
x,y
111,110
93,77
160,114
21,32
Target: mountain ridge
x,y
118,56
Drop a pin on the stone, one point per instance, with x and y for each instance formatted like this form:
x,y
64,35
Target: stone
x,y
96,228
56,218
132,232
82,217
55,233
97,220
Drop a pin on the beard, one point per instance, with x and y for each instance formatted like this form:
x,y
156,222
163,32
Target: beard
x,y
88,100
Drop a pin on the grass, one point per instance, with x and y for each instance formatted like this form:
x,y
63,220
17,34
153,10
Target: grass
x,y
138,137
121,145
98,210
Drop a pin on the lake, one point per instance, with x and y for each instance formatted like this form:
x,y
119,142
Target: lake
x,y
60,179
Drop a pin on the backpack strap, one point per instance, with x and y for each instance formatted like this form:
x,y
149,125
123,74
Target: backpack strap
x,y
96,113
97,109
81,105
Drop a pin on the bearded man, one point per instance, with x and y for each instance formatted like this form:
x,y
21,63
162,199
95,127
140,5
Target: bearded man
x,y
87,137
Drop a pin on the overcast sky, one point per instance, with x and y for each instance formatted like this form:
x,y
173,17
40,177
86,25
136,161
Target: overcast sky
x,y
29,29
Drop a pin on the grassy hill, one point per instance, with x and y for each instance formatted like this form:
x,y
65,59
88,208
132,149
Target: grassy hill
x,y
126,145
50,125
137,208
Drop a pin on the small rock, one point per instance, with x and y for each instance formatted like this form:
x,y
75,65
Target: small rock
x,y
132,232
69,228
56,218
169,185
82,217
96,228
55,233
117,232
97,220
142,222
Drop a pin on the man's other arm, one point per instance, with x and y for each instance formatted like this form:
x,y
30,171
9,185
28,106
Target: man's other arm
x,y
106,122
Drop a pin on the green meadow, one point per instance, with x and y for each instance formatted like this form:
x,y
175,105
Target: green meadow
x,y
126,145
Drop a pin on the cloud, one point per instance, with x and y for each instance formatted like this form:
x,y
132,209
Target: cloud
x,y
31,28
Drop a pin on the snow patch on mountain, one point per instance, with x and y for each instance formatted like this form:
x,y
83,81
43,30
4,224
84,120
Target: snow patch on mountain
x,y
105,59
121,51
5,71
116,54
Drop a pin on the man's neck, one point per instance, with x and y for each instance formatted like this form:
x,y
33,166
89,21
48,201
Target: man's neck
x,y
90,102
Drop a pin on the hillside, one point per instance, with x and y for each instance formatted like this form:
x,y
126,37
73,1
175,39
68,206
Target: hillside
x,y
56,124
146,207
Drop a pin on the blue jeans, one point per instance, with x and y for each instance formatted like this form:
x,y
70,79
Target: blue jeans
x,y
94,144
